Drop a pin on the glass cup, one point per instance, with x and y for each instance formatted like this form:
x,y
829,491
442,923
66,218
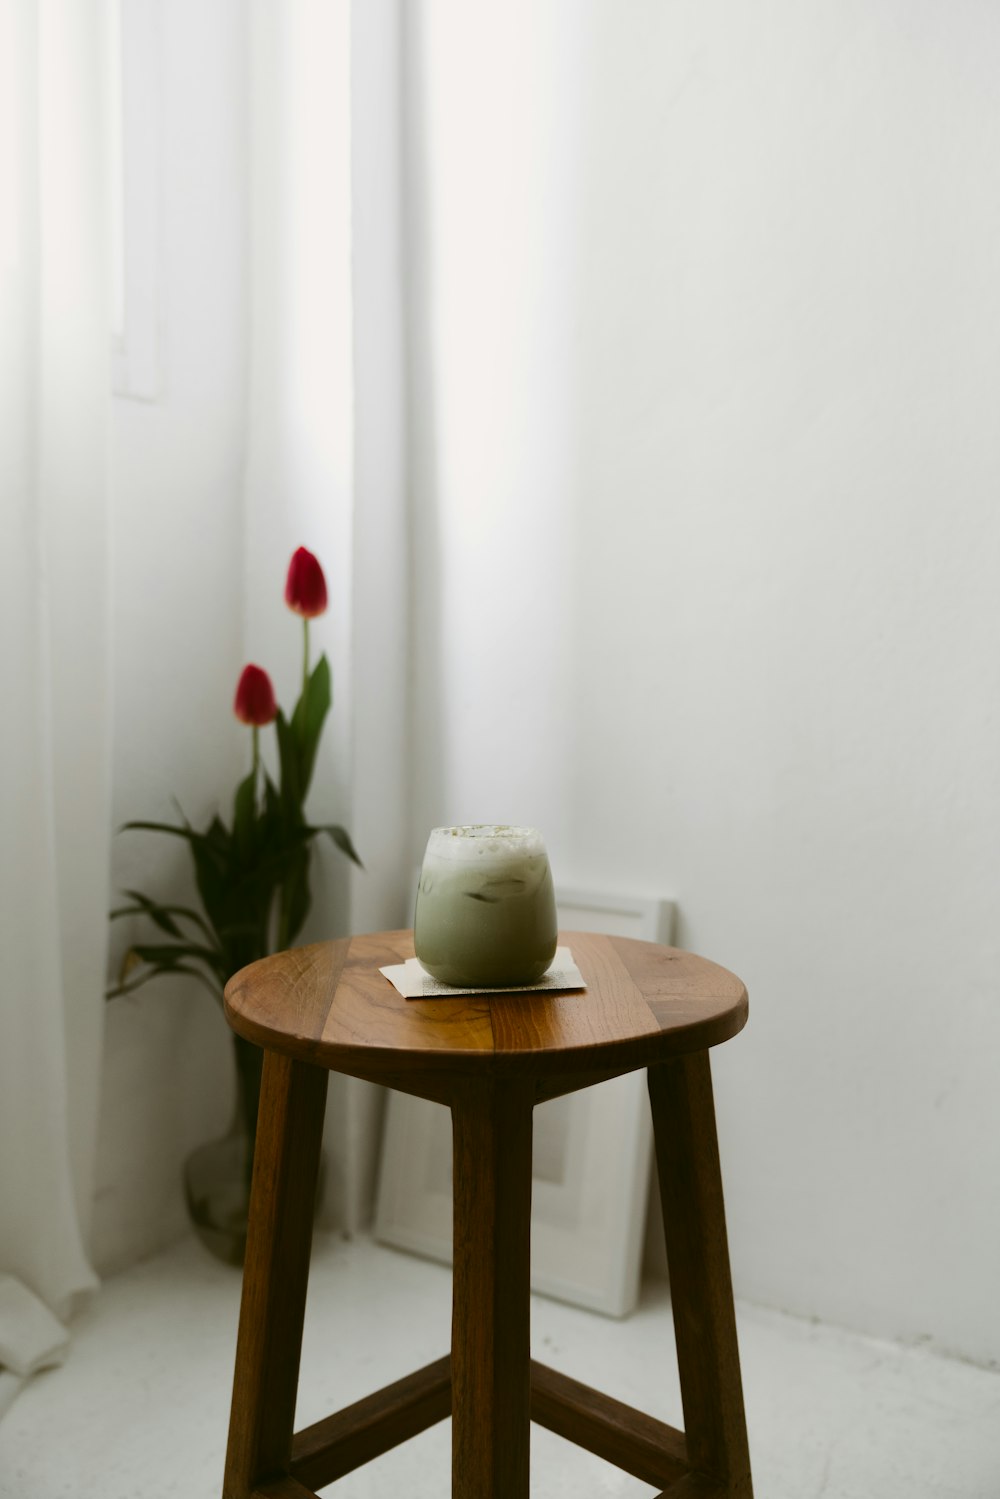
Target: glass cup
x,y
486,908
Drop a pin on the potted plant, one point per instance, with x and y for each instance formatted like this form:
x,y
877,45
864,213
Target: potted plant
x,y
251,875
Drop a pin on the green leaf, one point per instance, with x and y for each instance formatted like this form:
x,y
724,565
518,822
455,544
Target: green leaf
x,y
168,955
157,971
130,960
295,899
342,839
209,853
212,859
272,799
288,760
218,836
308,719
189,833
244,807
161,914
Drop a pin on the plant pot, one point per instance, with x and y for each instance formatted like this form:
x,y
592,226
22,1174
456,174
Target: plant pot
x,y
217,1175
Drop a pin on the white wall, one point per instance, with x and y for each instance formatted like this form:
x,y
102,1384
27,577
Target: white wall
x,y
177,493
704,316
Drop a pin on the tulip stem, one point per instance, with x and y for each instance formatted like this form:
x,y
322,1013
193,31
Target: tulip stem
x,y
256,757
305,657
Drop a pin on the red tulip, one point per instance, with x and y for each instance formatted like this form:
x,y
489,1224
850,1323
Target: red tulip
x,y
305,587
254,702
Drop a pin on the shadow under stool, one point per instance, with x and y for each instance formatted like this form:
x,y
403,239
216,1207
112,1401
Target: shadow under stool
x,y
490,1058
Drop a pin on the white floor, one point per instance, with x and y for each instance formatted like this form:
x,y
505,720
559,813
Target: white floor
x,y
140,1409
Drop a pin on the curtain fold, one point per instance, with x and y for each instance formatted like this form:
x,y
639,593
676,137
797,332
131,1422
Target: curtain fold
x,y
54,849
304,483
327,456
300,451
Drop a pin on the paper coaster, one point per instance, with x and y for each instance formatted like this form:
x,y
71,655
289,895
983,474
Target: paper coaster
x,y
414,982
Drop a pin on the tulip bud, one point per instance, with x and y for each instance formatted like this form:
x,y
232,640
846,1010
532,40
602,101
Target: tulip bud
x,y
305,587
254,702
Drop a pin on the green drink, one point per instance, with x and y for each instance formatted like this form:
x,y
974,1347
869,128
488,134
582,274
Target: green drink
x,y
486,909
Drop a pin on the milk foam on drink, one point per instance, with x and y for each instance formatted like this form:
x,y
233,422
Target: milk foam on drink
x,y
486,908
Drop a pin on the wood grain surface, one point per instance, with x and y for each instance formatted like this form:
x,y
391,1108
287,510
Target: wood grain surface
x,y
639,1444
344,1441
701,1293
329,1004
491,1290
275,1272
283,1488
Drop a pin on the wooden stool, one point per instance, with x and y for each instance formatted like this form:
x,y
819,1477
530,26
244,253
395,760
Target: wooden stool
x,y
491,1059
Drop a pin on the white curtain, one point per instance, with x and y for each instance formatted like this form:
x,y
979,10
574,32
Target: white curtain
x,y
53,663
325,458
325,423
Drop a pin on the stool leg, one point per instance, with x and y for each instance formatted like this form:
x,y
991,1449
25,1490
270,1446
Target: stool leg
x,y
282,1198
491,1315
687,1160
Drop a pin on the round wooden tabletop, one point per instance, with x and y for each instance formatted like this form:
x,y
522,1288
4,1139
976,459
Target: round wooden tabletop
x,y
329,1004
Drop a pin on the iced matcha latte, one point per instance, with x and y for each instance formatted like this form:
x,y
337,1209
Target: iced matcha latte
x,y
486,910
